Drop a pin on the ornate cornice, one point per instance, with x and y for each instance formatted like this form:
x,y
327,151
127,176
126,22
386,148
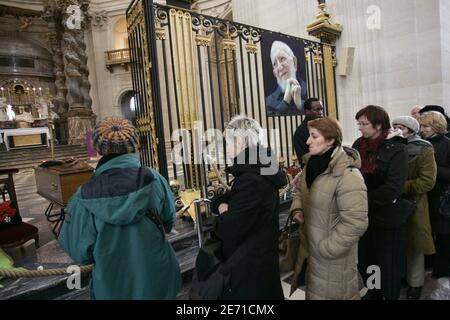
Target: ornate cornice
x,y
98,19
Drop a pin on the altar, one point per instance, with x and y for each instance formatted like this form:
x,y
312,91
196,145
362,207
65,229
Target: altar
x,y
25,137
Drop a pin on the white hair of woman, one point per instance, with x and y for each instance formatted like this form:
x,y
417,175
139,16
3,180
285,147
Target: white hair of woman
x,y
246,129
244,132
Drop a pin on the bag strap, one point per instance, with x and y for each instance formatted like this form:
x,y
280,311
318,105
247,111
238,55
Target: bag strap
x,y
157,221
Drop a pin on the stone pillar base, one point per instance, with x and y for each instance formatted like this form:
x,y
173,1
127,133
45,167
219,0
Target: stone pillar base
x,y
79,121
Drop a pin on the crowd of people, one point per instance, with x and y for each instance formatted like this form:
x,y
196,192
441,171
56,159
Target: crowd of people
x,y
394,221
377,203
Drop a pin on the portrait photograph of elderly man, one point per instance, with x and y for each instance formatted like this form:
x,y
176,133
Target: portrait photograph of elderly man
x,y
284,75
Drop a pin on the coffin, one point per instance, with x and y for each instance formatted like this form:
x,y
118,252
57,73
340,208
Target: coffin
x,y
58,181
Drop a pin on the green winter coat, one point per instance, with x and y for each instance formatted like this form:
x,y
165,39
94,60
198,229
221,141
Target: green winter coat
x,y
106,224
421,178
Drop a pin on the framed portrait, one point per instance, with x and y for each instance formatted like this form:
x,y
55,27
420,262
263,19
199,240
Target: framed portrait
x,y
284,69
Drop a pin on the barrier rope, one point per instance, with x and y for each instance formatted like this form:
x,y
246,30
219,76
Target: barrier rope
x,y
10,273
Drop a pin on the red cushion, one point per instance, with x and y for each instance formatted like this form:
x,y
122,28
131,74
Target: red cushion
x,y
17,233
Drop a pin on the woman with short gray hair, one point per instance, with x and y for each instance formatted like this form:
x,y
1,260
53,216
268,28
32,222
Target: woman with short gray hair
x,y
240,132
248,214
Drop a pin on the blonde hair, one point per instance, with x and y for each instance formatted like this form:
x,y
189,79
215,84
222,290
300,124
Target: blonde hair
x,y
435,120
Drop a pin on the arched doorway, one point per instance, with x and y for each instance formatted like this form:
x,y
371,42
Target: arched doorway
x,y
128,106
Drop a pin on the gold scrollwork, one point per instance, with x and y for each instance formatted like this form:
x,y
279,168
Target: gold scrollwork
x,y
251,48
318,60
202,40
160,33
229,44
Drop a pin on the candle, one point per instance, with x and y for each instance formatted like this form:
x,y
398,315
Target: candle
x,y
40,91
34,95
2,92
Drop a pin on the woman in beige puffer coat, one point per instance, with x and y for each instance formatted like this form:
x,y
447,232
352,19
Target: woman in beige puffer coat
x,y
331,201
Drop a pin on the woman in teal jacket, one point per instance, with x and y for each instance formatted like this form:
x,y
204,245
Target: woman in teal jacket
x,y
107,222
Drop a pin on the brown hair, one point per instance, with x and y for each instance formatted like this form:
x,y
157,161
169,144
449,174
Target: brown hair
x,y
435,120
376,116
329,128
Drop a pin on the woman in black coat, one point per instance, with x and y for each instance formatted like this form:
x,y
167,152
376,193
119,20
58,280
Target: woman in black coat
x,y
248,214
433,128
384,165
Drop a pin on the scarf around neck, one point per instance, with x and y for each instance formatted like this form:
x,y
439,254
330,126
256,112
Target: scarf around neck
x,y
316,166
368,149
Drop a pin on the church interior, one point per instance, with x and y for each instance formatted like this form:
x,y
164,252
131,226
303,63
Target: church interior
x,y
175,68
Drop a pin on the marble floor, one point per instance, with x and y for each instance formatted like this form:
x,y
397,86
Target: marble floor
x,y
32,208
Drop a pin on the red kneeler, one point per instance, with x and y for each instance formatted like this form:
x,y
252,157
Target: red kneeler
x,y
17,234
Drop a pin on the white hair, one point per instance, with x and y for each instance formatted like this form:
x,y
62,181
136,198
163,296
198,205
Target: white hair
x,y
246,128
279,45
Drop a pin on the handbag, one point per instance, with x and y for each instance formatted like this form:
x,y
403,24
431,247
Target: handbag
x,y
395,214
444,203
211,279
288,244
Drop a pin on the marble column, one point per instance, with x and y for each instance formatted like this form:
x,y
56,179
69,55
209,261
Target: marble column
x,y
53,18
80,117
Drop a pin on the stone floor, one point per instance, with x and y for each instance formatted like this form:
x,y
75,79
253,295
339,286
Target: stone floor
x,y
32,208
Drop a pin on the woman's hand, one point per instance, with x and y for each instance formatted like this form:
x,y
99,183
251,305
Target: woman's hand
x,y
223,207
299,217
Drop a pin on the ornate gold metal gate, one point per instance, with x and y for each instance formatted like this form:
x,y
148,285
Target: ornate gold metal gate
x,y
188,67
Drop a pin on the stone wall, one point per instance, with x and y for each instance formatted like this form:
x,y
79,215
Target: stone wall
x,y
398,65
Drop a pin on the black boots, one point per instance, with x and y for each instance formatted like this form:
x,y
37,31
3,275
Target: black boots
x,y
373,294
413,293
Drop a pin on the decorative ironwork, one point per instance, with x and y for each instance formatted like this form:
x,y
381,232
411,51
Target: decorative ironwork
x,y
160,33
208,70
251,48
228,44
203,41
141,68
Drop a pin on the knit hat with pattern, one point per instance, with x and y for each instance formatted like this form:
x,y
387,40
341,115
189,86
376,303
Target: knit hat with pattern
x,y
115,135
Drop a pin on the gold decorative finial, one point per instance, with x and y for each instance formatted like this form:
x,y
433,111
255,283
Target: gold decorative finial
x,y
323,28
